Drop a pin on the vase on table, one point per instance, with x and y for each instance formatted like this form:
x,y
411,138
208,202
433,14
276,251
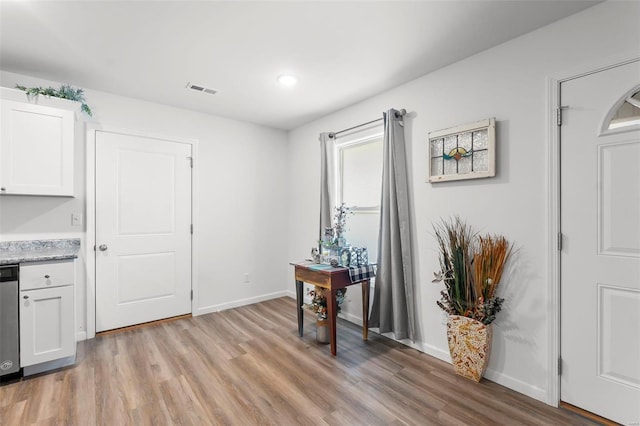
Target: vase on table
x,y
469,346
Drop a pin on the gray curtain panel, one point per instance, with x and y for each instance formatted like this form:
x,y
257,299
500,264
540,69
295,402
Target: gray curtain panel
x,y
393,301
327,182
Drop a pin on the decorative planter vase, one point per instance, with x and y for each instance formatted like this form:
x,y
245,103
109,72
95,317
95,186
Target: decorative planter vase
x,y
322,331
469,346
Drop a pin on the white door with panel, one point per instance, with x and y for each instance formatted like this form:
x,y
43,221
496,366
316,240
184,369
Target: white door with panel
x,y
143,229
600,258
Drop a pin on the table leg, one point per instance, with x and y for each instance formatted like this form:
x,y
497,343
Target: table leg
x,y
300,300
365,309
332,313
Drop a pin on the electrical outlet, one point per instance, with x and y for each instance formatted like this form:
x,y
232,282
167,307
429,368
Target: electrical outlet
x,y
76,219
246,278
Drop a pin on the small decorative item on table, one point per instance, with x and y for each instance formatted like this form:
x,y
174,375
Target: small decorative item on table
x,y
354,253
333,241
329,255
340,223
364,257
345,257
315,255
361,257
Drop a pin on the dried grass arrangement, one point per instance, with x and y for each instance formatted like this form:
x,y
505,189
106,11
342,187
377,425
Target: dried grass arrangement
x,y
471,267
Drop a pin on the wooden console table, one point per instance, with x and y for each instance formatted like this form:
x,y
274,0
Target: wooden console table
x,y
332,279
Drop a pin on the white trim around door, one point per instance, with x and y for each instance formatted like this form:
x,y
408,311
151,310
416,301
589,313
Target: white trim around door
x,y
91,214
554,237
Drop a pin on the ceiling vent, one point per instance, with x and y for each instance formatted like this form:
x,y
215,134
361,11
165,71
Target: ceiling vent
x,y
199,88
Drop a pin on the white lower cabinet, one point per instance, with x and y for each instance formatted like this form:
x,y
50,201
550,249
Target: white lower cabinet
x,y
47,316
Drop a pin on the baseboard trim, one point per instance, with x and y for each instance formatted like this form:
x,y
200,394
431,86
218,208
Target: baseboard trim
x,y
517,385
436,352
351,318
241,302
81,335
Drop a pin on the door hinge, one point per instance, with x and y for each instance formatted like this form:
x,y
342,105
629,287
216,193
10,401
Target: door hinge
x,y
191,228
559,114
559,366
559,241
190,161
191,294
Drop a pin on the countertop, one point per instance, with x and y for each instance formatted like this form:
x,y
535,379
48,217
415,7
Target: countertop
x,y
12,252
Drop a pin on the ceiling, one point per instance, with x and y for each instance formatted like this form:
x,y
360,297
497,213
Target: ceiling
x,y
342,52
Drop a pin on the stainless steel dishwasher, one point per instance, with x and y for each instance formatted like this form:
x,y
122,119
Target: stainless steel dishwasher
x,y
9,319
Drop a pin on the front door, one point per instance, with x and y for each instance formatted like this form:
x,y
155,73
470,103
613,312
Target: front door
x,y
600,258
143,229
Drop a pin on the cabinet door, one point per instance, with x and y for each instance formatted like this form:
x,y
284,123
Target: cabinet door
x,y
36,149
46,325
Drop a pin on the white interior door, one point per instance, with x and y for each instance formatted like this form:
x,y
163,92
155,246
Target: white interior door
x,y
600,260
143,229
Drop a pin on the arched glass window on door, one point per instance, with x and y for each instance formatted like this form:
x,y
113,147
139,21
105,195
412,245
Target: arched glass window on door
x,y
627,114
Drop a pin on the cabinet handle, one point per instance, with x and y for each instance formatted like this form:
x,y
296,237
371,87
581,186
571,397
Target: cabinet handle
x,y
47,276
3,189
25,297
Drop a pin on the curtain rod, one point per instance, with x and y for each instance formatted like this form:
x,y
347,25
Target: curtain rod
x,y
399,114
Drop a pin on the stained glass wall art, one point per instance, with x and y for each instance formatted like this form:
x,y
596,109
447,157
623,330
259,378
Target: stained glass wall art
x,y
463,152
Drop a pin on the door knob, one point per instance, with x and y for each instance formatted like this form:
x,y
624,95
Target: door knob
x,y
102,247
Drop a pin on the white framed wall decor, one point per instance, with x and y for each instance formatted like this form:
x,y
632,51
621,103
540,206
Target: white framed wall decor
x,y
463,152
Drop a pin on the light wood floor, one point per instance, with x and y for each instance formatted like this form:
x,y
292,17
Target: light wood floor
x,y
247,366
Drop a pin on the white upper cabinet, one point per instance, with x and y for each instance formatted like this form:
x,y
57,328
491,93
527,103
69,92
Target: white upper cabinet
x,y
36,148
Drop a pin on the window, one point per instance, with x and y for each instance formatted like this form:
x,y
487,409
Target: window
x,y
359,184
627,114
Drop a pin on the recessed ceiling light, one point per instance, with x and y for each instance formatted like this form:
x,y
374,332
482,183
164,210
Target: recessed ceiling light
x,y
287,80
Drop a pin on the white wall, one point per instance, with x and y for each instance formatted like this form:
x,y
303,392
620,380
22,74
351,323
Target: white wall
x,y
241,209
507,82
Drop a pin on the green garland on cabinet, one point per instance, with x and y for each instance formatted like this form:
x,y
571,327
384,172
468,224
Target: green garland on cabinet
x,y
64,92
